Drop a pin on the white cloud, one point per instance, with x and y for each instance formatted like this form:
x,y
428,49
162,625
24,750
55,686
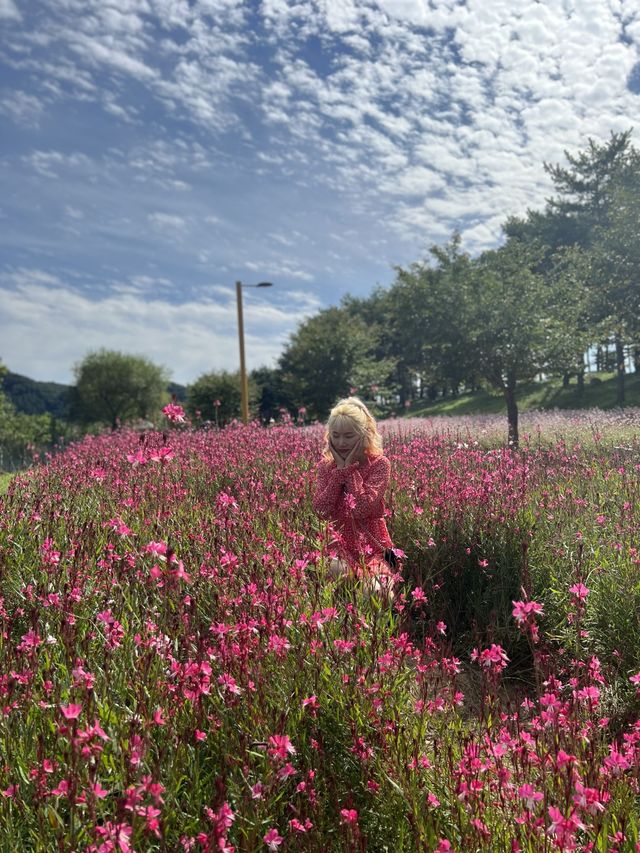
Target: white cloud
x,y
46,326
167,222
22,108
49,164
248,138
9,10
99,53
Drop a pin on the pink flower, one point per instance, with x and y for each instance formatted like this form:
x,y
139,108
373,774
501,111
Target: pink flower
x,y
418,595
311,702
228,683
563,758
524,611
118,834
589,799
349,816
280,747
530,796
174,413
615,762
273,839
99,791
350,500
298,826
286,771
493,660
564,828
71,712
62,790
137,458
579,591
162,454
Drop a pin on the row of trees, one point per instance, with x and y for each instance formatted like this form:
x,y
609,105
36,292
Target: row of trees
x,y
565,279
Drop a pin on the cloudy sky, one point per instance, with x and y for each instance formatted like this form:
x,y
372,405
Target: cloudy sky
x,y
153,152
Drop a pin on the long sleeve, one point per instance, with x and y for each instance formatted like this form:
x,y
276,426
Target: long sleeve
x,y
352,499
368,493
329,490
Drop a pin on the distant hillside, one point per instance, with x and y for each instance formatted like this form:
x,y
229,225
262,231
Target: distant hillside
x,y
177,391
38,398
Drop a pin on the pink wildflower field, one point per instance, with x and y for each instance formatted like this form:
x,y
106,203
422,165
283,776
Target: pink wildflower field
x,y
177,671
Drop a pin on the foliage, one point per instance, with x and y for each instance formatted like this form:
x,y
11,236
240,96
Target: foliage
x,y
330,353
595,213
179,672
114,388
215,397
36,398
272,400
23,437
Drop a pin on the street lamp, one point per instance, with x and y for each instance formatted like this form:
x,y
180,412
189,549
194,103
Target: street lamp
x,y
244,384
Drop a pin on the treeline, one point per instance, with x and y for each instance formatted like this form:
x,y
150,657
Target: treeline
x,y
565,281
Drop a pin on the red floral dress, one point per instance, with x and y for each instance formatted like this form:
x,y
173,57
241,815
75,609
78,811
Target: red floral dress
x,y
352,499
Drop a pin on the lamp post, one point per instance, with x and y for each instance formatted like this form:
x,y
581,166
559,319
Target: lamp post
x,y
244,382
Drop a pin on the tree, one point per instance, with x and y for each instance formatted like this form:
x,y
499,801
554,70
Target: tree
x,y
615,256
114,387
592,212
216,396
329,353
513,334
271,396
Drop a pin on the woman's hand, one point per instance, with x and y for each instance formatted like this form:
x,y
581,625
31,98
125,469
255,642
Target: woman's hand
x,y
340,463
355,453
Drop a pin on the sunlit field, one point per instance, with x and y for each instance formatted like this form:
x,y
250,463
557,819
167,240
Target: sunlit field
x,y
178,673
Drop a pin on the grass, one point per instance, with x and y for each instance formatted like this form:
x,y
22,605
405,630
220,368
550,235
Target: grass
x,y
599,393
5,479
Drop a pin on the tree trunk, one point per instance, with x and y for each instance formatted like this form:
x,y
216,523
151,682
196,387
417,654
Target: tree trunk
x,y
566,377
512,410
619,371
580,378
636,359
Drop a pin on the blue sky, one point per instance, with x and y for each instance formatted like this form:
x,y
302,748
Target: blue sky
x,y
152,152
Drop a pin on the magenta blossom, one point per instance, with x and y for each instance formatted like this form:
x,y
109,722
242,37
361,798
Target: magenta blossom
x,y
174,413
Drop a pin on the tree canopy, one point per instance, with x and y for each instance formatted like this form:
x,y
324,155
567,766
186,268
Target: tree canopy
x,y
216,397
113,387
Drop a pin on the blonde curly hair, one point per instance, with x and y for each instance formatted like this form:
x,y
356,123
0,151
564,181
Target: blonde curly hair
x,y
353,410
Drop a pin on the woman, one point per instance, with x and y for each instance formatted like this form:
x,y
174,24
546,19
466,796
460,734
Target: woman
x,y
352,478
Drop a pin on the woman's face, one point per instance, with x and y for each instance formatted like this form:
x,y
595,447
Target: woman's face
x,y
343,436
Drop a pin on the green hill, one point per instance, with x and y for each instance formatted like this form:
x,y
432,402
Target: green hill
x,y
32,397
599,393
36,398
